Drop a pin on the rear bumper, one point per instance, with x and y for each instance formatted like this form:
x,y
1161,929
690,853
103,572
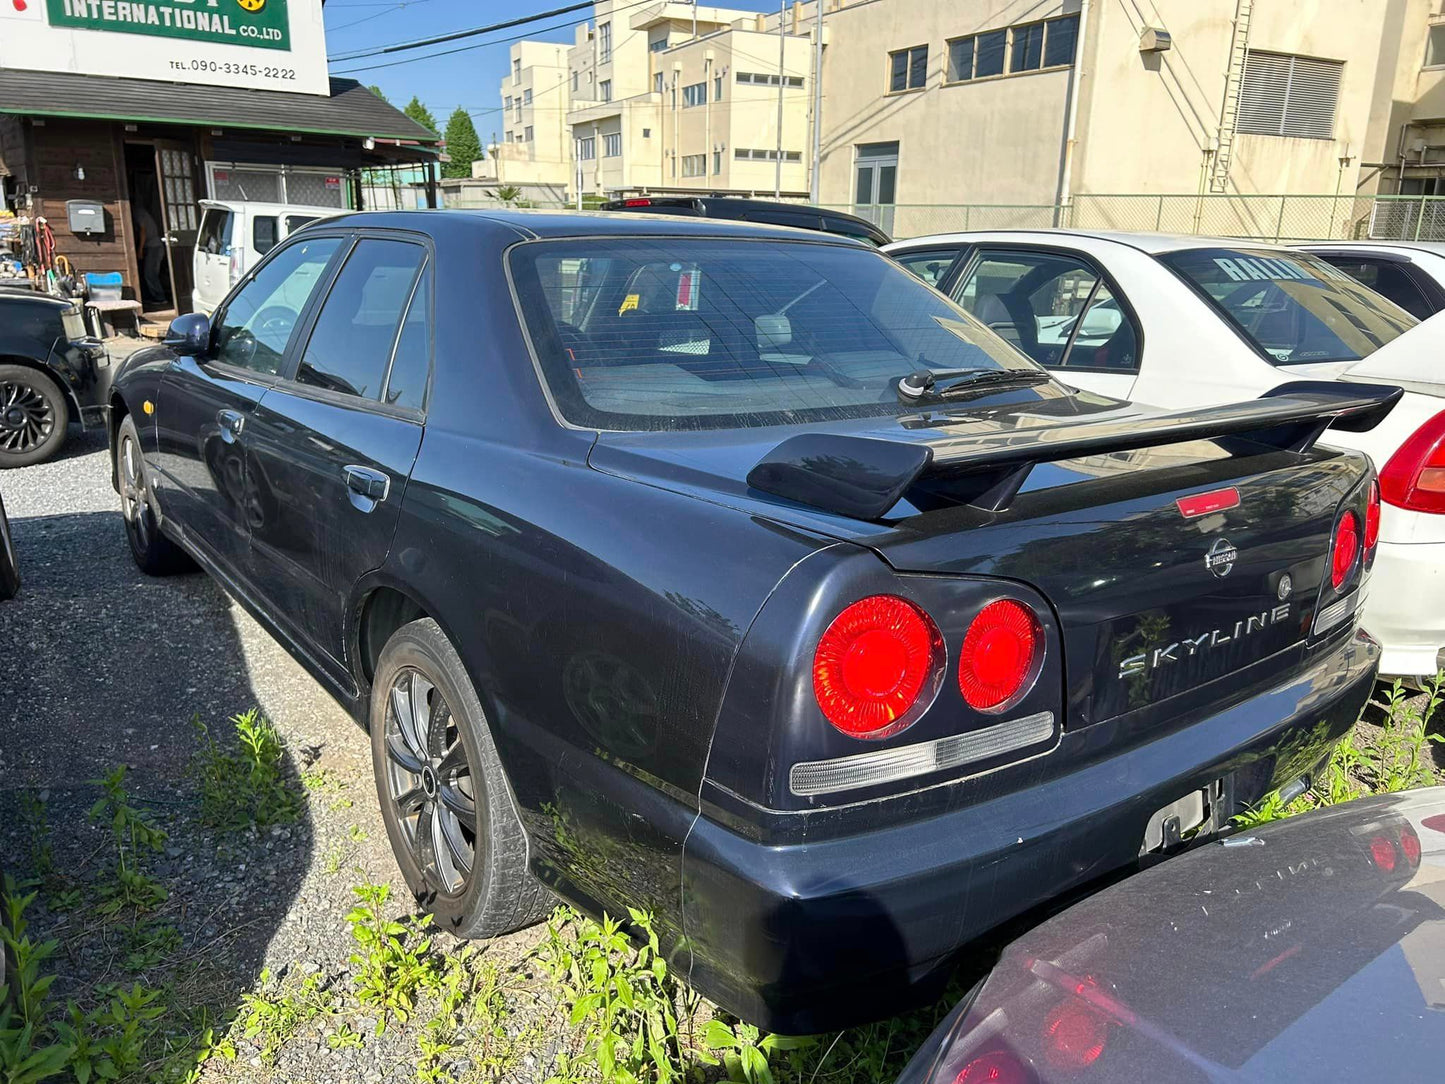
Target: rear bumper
x,y
808,937
1405,610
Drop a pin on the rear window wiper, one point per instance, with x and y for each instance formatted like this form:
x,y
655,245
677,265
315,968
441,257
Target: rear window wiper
x,y
944,383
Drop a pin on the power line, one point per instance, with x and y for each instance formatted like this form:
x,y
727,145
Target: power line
x,y
441,39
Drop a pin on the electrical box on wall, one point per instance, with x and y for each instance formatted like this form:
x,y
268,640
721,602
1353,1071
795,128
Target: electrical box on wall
x,y
86,217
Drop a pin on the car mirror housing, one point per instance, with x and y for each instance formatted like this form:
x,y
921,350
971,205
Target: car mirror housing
x,y
189,335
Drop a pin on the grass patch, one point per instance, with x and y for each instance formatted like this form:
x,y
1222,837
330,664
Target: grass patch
x,y
245,785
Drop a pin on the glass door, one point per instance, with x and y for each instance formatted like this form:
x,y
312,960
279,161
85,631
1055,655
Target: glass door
x,y
182,217
875,183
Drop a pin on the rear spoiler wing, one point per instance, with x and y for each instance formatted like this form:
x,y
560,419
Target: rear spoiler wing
x,y
863,477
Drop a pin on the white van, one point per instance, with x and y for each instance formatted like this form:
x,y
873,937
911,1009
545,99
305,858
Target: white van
x,y
233,237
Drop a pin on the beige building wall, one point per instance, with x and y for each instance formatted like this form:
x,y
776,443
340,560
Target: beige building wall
x,y
531,144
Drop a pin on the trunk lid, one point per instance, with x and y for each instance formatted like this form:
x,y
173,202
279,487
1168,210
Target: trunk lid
x,y
1152,603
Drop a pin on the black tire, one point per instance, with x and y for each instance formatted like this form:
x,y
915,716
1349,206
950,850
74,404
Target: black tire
x,y
426,810
154,553
9,564
33,416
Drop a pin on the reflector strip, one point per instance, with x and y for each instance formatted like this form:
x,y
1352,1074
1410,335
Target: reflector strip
x,y
1336,612
888,765
1201,504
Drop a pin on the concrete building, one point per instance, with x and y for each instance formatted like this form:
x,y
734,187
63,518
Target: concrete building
x,y
529,146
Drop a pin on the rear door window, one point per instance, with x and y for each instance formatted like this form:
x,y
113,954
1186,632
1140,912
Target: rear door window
x,y
931,265
295,222
214,236
263,234
1294,308
1391,278
355,334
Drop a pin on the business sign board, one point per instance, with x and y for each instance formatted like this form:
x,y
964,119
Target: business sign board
x,y
262,44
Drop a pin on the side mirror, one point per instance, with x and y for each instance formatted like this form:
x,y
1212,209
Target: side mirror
x,y
189,335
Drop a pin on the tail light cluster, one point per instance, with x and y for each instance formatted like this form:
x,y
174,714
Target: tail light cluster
x,y
1414,477
1352,549
1389,849
1345,550
881,661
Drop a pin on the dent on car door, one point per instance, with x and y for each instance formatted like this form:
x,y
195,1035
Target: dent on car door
x,y
1060,310
333,444
205,403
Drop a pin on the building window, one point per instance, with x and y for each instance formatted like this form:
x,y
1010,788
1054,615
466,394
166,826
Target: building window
x,y
907,68
1435,46
587,149
507,104
771,155
658,83
1028,48
960,60
762,80
575,76
694,94
647,133
694,165
509,136
657,46
604,90
988,54
1287,95
717,85
716,162
527,96
604,43
1060,39
527,134
517,70
612,145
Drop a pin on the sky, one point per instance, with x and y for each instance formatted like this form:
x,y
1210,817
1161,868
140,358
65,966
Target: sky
x,y
468,79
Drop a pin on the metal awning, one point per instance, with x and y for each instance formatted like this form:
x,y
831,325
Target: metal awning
x,y
351,110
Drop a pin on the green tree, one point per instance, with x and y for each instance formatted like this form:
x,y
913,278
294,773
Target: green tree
x,y
377,91
421,114
463,145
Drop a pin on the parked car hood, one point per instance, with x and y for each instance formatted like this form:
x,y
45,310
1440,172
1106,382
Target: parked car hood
x,y
1412,360
1312,948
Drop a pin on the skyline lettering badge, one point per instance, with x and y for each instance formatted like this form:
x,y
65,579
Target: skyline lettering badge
x,y
257,24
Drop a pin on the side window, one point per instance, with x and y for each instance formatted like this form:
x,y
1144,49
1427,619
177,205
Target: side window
x,y
263,234
253,331
1387,277
295,222
930,265
351,344
1051,306
214,237
411,364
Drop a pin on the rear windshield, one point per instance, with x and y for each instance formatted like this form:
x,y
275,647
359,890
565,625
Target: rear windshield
x,y
686,333
1294,308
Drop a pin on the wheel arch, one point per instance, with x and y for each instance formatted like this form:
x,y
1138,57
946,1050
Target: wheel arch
x,y
72,404
119,411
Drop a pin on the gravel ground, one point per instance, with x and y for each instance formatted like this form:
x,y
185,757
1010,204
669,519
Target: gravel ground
x,y
101,666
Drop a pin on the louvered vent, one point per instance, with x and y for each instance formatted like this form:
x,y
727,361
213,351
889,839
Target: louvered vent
x,y
1289,96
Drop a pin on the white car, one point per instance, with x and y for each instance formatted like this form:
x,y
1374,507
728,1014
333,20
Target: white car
x,y
233,236
1191,321
1409,273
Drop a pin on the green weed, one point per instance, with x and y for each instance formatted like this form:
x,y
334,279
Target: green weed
x,y
245,786
395,963
133,835
274,1014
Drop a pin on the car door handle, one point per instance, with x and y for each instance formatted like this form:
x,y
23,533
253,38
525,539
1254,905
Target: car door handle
x,y
372,486
231,423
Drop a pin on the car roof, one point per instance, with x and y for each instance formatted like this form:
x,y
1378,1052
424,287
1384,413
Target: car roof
x,y
551,224
270,208
1152,243
1435,247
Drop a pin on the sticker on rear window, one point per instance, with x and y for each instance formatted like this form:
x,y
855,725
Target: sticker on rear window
x,y
1262,269
629,304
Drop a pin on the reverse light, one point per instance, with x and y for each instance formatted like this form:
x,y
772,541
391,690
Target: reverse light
x,y
873,663
1074,1036
1382,853
1346,549
1001,655
1372,517
1414,477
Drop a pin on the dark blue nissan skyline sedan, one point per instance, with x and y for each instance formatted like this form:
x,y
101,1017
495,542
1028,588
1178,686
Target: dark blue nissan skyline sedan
x,y
731,573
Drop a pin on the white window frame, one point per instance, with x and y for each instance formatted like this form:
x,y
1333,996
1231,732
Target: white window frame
x,y
612,145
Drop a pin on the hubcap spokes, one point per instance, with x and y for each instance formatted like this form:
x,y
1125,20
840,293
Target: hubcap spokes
x,y
26,419
430,782
133,503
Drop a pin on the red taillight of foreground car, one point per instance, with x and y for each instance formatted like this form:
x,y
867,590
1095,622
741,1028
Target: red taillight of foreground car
x,y
1001,655
1346,549
1372,519
1382,853
873,663
1414,477
1410,846
995,1067
1074,1036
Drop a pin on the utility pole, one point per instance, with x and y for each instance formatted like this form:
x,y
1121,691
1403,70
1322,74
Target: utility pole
x,y
815,185
778,165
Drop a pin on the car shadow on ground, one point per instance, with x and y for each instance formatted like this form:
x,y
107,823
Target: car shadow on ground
x,y
101,667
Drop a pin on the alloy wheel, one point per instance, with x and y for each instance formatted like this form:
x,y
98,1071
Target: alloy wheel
x,y
134,499
26,417
430,782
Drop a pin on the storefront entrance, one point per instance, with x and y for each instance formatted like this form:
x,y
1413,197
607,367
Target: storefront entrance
x,y
160,178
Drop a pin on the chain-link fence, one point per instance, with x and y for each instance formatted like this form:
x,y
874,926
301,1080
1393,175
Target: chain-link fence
x,y
1269,218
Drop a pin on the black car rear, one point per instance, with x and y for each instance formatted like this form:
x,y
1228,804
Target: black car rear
x,y
772,212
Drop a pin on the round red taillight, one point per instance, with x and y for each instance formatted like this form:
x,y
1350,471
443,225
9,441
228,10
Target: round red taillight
x,y
1410,846
1382,853
1001,653
995,1067
1074,1036
873,663
1347,548
1372,517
